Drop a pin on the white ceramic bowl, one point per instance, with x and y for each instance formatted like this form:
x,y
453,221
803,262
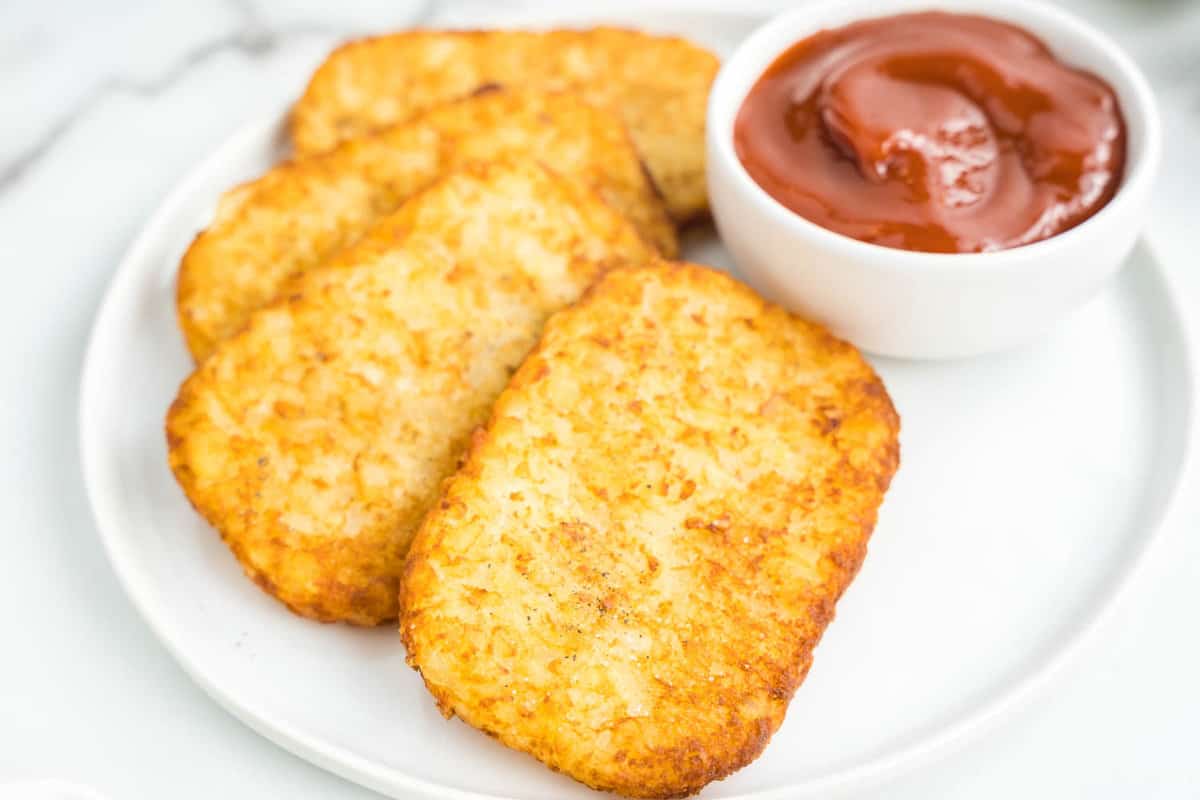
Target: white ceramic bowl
x,y
927,305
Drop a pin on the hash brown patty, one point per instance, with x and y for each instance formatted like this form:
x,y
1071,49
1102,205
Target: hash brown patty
x,y
316,439
298,214
628,576
659,84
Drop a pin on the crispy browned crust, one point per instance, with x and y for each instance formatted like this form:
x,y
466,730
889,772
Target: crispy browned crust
x,y
299,213
316,438
629,574
658,83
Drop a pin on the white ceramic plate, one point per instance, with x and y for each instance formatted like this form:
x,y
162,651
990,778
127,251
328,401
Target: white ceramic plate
x,y
1032,485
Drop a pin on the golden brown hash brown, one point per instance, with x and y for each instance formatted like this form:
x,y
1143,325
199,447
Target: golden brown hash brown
x,y
629,574
658,83
298,214
316,438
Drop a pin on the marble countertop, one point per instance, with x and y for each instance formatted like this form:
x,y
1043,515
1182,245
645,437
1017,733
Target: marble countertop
x,y
106,107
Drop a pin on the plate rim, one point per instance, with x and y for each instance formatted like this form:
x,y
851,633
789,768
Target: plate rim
x,y
872,770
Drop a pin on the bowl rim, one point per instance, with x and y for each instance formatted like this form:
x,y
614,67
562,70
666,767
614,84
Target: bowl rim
x,y
1141,165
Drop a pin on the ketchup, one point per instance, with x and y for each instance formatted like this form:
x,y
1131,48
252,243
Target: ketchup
x,y
934,132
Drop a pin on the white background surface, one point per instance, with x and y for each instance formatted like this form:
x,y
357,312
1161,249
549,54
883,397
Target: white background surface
x,y
104,109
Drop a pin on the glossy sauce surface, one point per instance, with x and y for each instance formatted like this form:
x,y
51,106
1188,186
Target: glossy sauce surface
x,y
933,132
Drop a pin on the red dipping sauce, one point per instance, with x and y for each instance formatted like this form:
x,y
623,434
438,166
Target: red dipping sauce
x,y
935,132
